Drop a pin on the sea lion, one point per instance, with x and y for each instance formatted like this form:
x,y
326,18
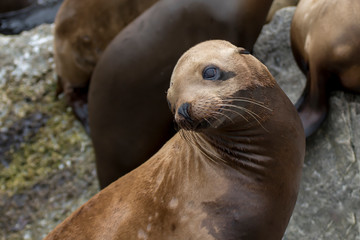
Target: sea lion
x,y
325,43
13,5
129,119
279,4
232,172
83,29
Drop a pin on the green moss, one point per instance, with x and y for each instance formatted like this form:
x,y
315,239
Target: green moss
x,y
58,158
55,145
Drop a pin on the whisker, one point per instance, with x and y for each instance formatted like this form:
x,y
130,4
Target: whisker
x,y
213,115
235,112
185,136
260,104
208,122
251,113
241,108
206,119
222,114
246,98
211,156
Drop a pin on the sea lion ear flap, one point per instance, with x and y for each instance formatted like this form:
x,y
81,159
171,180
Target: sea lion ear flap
x,y
243,51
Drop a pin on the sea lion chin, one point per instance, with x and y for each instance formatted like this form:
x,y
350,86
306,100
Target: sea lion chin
x,y
236,178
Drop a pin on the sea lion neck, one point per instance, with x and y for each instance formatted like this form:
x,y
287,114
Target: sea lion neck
x,y
250,144
240,149
232,171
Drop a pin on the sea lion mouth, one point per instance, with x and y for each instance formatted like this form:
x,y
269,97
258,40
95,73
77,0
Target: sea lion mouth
x,y
202,125
187,122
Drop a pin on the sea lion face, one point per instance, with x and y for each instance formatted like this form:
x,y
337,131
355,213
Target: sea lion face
x,y
206,81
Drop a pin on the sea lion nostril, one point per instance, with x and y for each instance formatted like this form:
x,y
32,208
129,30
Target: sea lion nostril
x,y
183,110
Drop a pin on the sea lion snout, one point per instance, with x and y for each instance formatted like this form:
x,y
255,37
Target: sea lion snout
x,y
183,111
202,89
186,118
183,117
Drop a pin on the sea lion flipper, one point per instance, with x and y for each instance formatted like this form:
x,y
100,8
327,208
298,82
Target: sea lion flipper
x,y
59,86
312,106
79,104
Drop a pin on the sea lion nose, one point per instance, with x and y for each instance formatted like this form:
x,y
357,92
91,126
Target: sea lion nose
x,y
183,110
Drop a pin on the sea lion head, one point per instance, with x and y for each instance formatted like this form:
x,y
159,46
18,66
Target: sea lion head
x,y
211,86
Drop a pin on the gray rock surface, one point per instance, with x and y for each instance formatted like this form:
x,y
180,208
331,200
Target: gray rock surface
x,y
41,11
49,167
328,205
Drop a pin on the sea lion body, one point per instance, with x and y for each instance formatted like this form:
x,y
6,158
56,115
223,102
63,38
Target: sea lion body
x,y
83,29
7,6
279,4
129,118
325,42
232,172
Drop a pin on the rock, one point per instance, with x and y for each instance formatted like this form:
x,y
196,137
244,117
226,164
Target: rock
x,y
273,49
46,158
328,205
41,11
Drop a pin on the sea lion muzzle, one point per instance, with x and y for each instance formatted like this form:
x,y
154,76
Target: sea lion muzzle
x,y
183,118
184,111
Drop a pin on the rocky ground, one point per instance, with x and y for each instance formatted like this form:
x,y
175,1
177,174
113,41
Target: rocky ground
x,y
328,205
41,11
47,165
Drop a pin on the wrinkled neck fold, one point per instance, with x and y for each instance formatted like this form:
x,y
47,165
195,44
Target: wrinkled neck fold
x,y
242,150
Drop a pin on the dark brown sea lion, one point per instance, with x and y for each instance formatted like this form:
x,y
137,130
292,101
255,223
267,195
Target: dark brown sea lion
x,y
279,4
13,5
129,119
232,172
83,29
325,39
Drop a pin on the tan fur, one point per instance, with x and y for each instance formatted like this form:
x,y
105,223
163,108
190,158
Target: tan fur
x,y
325,41
236,180
127,88
279,4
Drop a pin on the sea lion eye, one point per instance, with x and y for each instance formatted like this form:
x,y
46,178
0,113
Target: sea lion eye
x,y
211,73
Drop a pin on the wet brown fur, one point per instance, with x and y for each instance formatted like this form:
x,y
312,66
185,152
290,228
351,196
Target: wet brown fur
x,y
279,4
127,92
238,178
325,41
7,6
83,29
